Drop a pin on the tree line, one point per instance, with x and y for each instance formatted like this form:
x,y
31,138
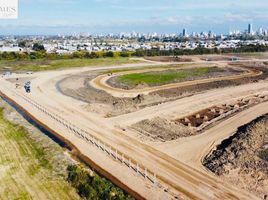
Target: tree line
x,y
41,54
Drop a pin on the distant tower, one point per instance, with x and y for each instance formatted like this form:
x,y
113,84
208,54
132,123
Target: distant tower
x,y
250,29
184,32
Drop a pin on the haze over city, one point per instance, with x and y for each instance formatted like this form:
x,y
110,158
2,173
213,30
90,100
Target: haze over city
x,y
114,16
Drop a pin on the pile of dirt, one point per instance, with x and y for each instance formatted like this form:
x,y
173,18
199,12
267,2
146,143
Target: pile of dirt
x,y
242,159
100,101
160,129
169,59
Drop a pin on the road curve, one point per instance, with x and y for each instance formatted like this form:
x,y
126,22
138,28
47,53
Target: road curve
x,y
179,178
100,83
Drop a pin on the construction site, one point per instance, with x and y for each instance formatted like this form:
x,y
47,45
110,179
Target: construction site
x,y
189,127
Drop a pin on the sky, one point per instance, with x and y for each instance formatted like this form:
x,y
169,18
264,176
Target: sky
x,y
115,16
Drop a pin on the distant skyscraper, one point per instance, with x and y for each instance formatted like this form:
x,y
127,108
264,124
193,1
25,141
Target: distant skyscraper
x,y
250,29
260,31
184,32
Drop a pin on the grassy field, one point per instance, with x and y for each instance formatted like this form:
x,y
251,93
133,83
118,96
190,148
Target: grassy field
x,y
42,65
160,78
25,171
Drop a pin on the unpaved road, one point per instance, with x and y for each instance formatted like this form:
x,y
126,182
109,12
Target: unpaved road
x,y
180,178
182,149
185,106
100,83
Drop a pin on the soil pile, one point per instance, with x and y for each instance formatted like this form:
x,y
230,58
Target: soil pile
x,y
243,158
160,129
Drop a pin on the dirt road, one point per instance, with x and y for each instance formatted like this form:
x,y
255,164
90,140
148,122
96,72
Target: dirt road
x,y
177,178
100,83
182,149
185,106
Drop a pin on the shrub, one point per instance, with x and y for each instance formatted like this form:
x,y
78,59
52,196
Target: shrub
x,y
93,187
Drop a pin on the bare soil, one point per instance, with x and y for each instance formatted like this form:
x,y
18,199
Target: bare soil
x,y
208,116
159,129
100,101
78,87
211,57
242,159
169,59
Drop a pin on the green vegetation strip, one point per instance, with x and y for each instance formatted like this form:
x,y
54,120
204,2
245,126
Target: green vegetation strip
x,y
91,186
26,172
46,64
165,77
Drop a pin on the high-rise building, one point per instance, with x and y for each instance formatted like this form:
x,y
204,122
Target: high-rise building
x,y
184,32
260,31
250,29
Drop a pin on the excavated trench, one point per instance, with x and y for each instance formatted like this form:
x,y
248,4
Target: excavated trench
x,y
204,118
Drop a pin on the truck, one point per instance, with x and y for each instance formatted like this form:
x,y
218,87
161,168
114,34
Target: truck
x,y
27,87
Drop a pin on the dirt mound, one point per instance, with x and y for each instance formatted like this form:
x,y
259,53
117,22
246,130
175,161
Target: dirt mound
x,y
101,102
169,59
243,158
160,129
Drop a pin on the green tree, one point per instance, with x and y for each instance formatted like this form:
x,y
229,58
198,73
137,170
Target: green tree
x,y
22,44
38,47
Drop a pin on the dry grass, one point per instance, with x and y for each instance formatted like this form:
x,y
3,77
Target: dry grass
x,y
25,171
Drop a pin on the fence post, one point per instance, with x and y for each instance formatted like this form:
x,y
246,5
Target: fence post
x,y
110,150
154,179
123,158
129,162
145,173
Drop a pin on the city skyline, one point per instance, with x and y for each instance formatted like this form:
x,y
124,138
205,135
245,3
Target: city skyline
x,y
103,16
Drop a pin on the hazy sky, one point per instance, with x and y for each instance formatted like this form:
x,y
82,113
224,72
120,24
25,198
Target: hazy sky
x,y
163,16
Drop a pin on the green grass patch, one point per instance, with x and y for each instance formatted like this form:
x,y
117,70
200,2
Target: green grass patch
x,y
27,148
113,71
45,64
25,166
161,78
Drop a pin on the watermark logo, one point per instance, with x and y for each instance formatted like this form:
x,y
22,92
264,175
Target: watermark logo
x,y
8,9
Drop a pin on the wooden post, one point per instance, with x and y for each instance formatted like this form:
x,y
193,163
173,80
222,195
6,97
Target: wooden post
x,y
110,150
123,158
129,162
145,173
154,179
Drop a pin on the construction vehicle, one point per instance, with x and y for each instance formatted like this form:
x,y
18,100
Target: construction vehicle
x,y
27,87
